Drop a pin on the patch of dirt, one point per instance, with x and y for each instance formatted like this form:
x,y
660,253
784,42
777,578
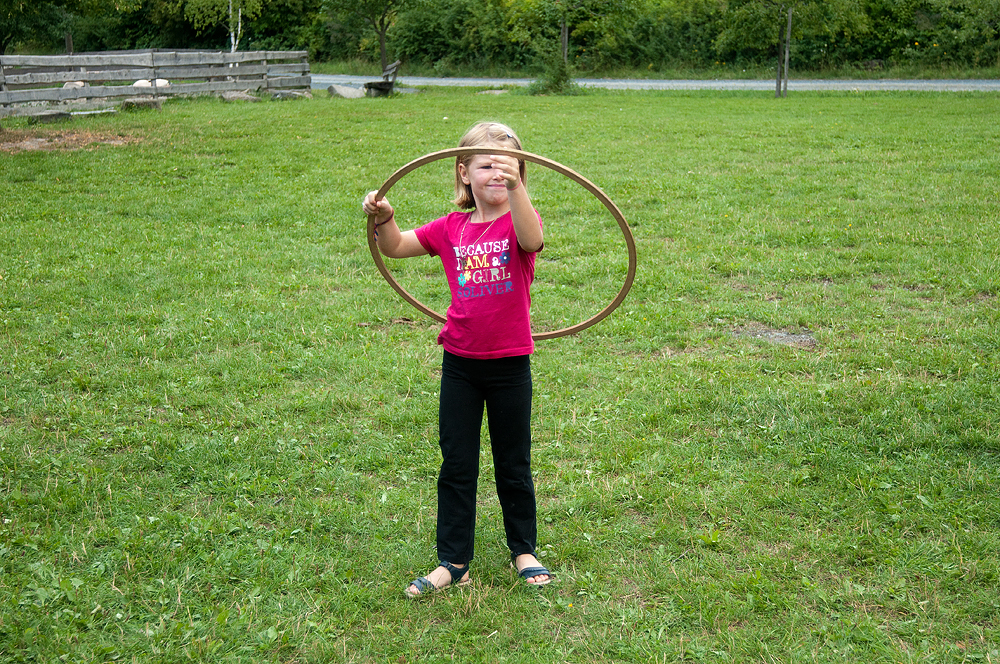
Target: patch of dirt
x,y
12,141
673,352
395,321
761,331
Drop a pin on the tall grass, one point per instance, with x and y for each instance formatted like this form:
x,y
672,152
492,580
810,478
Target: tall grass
x,y
218,424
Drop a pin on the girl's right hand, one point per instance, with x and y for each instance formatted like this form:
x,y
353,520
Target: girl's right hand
x,y
382,210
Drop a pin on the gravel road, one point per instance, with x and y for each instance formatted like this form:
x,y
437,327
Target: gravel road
x,y
323,81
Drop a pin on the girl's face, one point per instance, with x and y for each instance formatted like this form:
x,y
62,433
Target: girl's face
x,y
488,186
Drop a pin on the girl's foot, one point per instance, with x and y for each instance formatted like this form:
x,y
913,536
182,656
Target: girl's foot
x,y
439,578
526,561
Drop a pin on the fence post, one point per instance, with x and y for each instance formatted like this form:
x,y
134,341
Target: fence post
x,y
788,48
152,61
3,81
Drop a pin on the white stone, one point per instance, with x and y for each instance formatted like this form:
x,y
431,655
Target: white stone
x,y
345,91
238,96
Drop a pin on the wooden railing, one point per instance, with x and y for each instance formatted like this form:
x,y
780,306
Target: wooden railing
x,y
33,84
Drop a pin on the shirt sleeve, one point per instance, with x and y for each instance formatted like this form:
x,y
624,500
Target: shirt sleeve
x,y
430,236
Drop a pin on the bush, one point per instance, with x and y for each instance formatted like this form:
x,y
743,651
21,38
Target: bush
x,y
556,79
452,34
666,33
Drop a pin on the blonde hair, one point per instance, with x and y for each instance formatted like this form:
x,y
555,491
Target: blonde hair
x,y
484,134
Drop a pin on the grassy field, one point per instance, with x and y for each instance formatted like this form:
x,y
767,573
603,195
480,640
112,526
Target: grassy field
x,y
218,423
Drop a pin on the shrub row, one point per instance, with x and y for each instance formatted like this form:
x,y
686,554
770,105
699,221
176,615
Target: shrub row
x,y
451,35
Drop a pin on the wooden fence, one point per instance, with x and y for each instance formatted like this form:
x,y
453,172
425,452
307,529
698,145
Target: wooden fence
x,y
33,84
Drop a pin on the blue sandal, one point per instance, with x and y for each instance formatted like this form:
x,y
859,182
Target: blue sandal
x,y
529,572
425,586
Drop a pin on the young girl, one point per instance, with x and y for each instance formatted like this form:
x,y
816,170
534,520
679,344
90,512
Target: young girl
x,y
489,259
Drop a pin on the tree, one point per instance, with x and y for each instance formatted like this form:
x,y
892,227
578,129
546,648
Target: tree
x,y
286,25
379,14
941,31
20,19
594,24
762,26
210,13
46,21
984,27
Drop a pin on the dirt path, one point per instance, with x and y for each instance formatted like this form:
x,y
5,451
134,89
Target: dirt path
x,y
323,81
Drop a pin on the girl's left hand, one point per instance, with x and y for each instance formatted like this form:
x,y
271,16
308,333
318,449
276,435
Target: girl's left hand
x,y
508,168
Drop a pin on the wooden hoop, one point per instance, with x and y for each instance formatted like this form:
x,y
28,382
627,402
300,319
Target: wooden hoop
x,y
526,156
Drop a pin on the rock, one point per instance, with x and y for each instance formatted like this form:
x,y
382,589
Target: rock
x,y
47,117
141,103
98,111
75,84
234,95
291,94
345,91
146,83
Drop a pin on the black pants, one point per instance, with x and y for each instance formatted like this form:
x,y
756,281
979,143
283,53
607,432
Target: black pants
x,y
504,387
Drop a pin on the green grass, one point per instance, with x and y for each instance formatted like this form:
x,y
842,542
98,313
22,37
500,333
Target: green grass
x,y
218,423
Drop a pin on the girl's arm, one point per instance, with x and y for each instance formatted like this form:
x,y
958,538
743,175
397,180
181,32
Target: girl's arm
x,y
526,224
391,241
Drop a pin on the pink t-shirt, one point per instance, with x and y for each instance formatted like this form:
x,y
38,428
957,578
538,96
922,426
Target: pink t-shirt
x,y
490,280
